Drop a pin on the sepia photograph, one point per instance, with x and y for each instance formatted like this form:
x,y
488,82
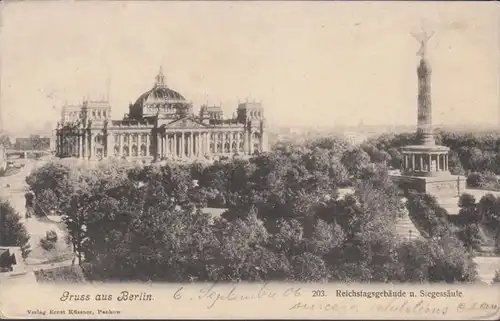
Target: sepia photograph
x,y
249,142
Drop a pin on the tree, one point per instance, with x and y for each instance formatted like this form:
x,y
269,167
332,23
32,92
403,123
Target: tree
x,y
468,209
5,141
50,183
284,220
354,160
12,231
489,211
429,217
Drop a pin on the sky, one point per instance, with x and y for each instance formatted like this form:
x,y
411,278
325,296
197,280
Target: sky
x,y
309,63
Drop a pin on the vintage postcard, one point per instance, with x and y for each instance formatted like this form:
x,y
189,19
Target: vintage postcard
x,y
250,160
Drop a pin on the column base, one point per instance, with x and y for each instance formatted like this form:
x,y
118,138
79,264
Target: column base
x,y
442,186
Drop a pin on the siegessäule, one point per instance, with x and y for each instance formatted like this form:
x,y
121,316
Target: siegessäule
x,y
441,294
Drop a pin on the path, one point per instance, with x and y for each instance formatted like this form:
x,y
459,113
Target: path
x,y
37,227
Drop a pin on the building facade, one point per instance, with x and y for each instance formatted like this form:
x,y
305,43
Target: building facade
x,y
160,125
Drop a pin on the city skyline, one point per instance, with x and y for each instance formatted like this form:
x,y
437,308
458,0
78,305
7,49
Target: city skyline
x,y
345,63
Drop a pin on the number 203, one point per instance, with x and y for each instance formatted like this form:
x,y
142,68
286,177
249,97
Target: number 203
x,y
318,293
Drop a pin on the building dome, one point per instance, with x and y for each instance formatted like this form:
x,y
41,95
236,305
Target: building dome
x,y
160,96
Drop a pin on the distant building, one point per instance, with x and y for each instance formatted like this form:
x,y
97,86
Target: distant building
x,y
34,142
160,125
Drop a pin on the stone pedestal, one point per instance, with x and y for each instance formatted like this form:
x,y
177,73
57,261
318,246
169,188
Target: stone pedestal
x,y
425,170
442,186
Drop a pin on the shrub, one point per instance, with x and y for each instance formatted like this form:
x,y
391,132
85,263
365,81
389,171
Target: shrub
x,y
51,236
47,244
12,230
73,274
496,278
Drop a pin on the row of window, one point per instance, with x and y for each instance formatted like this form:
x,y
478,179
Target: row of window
x,y
255,113
218,136
74,115
134,151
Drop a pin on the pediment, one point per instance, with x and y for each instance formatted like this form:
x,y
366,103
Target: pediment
x,y
185,123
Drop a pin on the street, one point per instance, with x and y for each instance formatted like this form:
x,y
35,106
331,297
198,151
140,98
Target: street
x,y
37,227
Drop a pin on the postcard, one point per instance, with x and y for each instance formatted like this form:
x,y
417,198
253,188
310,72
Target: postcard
x,y
250,160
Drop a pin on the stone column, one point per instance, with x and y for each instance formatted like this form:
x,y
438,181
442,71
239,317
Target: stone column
x,y
238,141
190,145
148,142
220,140
446,162
91,145
158,145
78,144
429,169
215,142
421,156
162,145
207,142
193,143
224,142
198,139
183,146
122,138
251,143
176,144
246,139
109,144
204,144
167,145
